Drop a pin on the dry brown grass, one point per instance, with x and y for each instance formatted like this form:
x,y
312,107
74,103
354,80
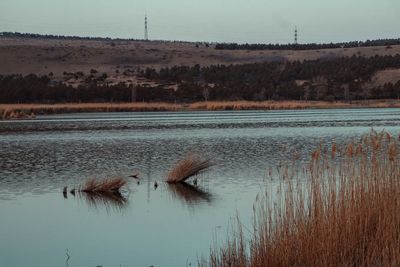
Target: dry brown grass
x,y
12,111
7,112
101,186
282,105
249,105
23,111
345,212
189,166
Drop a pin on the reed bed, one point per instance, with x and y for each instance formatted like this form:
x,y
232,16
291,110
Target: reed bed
x,y
103,186
24,111
283,105
10,113
187,167
342,210
15,111
251,105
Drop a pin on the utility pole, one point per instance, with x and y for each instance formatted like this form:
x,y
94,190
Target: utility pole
x,y
146,33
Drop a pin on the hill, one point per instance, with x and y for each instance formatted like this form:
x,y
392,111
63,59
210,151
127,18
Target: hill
x,y
74,69
42,55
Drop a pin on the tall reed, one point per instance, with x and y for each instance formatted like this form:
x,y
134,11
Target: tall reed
x,y
343,210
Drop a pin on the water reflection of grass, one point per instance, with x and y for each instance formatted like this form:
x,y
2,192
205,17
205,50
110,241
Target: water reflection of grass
x,y
188,193
105,193
346,212
108,200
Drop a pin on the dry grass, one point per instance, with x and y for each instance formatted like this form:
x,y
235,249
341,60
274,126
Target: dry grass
x,y
13,111
7,112
24,111
103,186
282,105
190,166
344,212
250,105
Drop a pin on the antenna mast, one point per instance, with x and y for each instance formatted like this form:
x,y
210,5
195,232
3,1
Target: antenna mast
x,y
295,35
146,33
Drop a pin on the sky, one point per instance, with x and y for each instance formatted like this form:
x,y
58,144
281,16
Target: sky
x,y
241,21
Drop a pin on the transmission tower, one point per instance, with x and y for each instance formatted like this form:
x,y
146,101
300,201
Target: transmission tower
x,y
146,33
295,35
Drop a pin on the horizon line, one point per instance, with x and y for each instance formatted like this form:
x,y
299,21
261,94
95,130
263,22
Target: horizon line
x,y
55,36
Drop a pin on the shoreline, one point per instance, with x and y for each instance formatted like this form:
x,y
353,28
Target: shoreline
x,y
29,111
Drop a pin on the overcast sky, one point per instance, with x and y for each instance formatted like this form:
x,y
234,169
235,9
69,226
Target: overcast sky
x,y
266,21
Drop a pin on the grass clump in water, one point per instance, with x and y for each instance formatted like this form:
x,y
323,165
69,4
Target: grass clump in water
x,y
187,167
102,186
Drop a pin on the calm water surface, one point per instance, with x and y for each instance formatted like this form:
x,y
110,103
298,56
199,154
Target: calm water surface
x,y
167,226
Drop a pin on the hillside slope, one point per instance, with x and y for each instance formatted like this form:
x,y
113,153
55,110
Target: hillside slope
x,y
42,56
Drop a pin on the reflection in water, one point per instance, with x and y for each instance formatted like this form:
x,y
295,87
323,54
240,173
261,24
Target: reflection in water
x,y
108,200
65,193
188,193
67,260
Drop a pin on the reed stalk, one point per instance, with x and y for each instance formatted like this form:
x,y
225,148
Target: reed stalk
x,y
342,210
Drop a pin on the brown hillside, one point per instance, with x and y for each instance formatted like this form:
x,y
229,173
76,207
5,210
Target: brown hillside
x,y
42,56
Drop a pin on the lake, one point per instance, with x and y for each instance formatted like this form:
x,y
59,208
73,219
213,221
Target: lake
x,y
148,226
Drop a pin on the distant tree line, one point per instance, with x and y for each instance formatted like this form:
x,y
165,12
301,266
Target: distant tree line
x,y
347,78
53,36
64,37
40,89
221,46
309,46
